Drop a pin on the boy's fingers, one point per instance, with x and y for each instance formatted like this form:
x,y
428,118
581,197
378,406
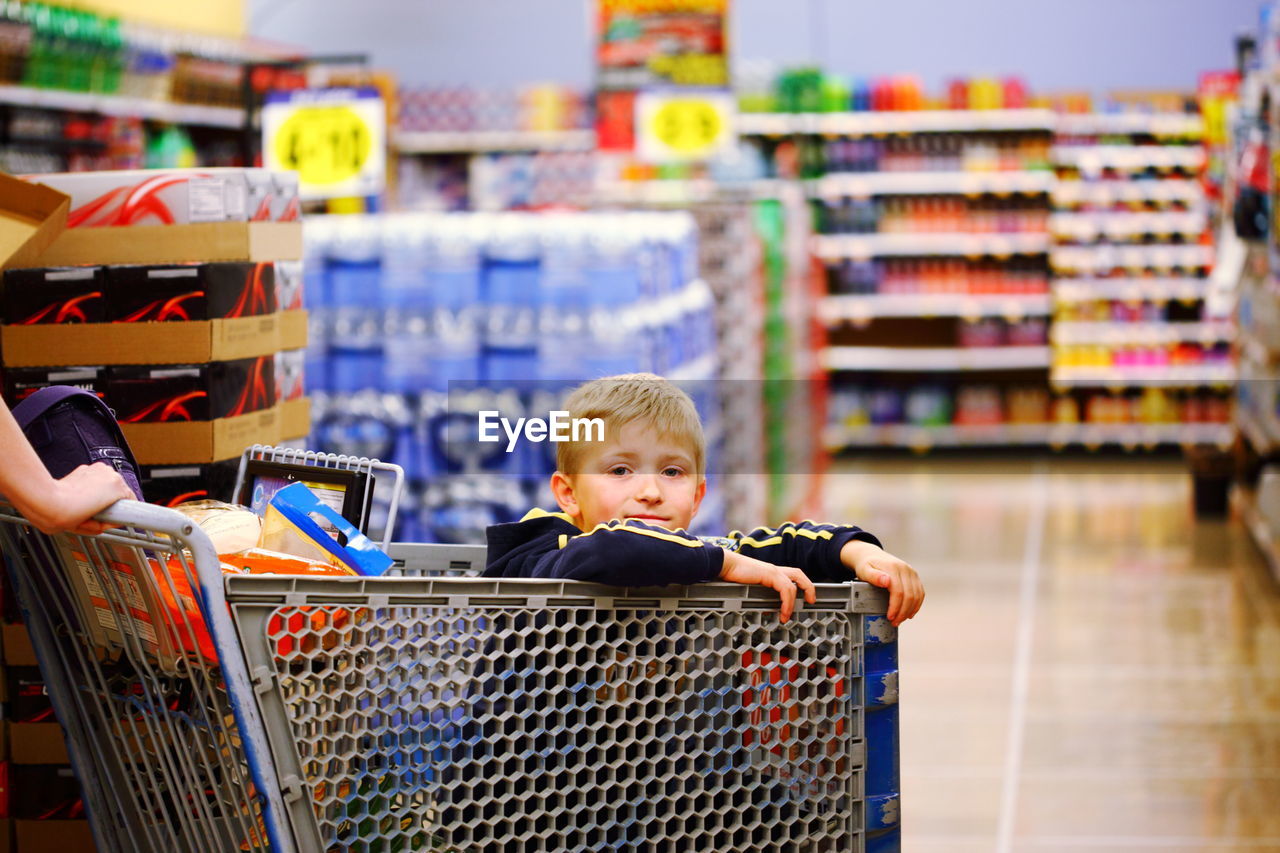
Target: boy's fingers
x,y
802,580
895,603
788,591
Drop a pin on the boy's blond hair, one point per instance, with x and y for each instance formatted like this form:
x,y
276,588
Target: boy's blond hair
x,y
644,398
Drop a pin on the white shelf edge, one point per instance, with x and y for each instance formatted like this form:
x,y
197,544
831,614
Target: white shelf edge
x,y
462,142
837,246
122,105
1155,124
855,184
837,437
857,307
934,359
1266,539
1128,289
1070,332
1262,439
1106,378
906,121
1088,157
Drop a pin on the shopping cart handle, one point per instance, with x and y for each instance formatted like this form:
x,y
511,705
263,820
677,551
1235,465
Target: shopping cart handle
x,y
159,519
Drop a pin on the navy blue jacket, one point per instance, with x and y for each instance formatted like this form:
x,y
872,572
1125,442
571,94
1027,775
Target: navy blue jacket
x,y
631,553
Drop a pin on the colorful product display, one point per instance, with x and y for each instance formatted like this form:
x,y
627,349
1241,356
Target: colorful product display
x,y
933,215
1133,253
50,46
938,276
810,90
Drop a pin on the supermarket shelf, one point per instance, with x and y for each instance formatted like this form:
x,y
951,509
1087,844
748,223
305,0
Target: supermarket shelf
x,y
1071,332
1130,257
922,437
857,308
856,184
437,142
1091,226
1257,351
943,359
1267,539
1154,124
1012,435
1141,435
1129,289
121,105
684,191
1264,436
915,121
1106,193
1092,158
835,246
1190,376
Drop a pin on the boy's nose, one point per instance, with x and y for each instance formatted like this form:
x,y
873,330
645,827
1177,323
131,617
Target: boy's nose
x,y
647,489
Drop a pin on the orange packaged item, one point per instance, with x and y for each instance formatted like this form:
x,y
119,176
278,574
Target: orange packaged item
x,y
181,609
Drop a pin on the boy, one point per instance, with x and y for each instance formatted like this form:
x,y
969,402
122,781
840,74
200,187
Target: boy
x,y
626,502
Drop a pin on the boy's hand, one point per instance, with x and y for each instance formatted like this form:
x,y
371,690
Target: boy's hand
x,y
739,568
880,568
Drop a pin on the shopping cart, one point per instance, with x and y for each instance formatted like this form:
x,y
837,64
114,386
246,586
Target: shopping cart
x,y
437,710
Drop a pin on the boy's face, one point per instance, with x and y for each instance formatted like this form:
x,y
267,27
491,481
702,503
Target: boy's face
x,y
632,474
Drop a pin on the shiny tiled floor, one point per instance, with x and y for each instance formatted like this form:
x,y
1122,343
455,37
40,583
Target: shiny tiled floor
x,y
1092,669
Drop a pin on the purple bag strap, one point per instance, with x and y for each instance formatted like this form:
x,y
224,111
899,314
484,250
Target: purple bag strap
x,y
44,400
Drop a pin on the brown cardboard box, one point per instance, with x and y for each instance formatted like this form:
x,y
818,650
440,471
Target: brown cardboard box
x,y
293,329
31,218
18,650
141,343
176,244
37,743
64,836
197,442
295,419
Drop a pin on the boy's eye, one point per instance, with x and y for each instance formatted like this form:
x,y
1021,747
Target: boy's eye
x,y
619,470
672,471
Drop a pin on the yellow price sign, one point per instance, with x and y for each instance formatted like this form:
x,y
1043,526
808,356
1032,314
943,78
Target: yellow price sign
x,y
335,139
688,126
325,145
679,128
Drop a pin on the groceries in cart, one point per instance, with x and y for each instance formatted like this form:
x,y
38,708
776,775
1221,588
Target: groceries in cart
x,y
164,616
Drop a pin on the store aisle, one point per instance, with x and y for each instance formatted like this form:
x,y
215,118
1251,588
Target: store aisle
x,y
1091,670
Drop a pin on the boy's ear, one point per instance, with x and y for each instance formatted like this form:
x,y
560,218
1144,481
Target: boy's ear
x,y
699,494
562,488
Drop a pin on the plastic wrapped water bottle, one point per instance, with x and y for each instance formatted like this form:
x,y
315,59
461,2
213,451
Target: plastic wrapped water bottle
x,y
453,261
355,263
405,263
613,272
355,349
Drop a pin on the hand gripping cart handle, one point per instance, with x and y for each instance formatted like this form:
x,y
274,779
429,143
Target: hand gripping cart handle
x,y
145,672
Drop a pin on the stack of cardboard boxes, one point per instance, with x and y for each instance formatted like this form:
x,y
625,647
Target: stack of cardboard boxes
x,y
177,297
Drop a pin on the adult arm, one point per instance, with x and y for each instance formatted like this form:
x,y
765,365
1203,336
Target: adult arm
x,y
54,505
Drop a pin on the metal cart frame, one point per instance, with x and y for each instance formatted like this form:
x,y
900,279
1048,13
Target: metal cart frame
x,y
428,711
